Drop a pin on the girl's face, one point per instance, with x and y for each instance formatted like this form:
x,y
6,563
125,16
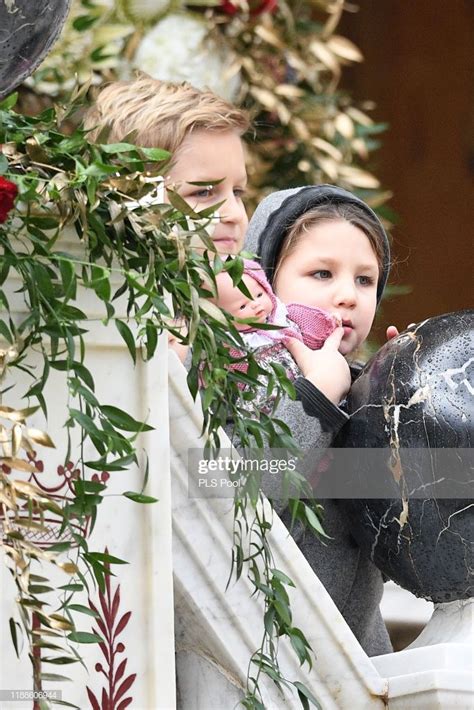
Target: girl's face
x,y
333,267
207,157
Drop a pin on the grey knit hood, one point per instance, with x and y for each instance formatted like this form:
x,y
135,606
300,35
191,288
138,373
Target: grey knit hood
x,y
277,213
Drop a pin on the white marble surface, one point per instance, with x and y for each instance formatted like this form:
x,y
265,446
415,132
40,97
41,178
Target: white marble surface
x,y
401,607
139,534
216,630
452,622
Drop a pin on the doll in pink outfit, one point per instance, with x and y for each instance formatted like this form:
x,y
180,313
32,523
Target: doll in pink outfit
x,y
310,325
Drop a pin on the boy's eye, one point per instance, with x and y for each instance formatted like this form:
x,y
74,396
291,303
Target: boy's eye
x,y
243,307
203,192
259,295
239,192
322,274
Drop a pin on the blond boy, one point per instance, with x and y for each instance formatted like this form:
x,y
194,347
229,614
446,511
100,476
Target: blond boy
x,y
202,131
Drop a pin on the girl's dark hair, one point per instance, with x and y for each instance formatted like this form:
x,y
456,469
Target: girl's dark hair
x,y
330,212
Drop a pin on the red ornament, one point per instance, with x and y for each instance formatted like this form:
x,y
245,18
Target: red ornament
x,y
256,7
8,192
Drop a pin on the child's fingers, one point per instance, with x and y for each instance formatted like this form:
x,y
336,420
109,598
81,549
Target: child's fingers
x,y
296,348
333,341
392,332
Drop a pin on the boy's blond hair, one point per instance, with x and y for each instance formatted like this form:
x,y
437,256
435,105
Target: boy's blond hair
x,y
159,114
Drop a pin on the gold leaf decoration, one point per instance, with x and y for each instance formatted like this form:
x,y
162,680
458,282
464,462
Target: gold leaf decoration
x,y
359,178
345,49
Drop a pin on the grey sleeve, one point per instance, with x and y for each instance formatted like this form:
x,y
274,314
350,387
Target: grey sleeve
x,y
313,419
313,422
316,404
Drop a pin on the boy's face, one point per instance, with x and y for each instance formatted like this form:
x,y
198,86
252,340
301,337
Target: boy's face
x,y
333,267
206,156
232,300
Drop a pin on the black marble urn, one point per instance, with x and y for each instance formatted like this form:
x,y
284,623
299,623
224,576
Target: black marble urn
x,y
414,402
28,30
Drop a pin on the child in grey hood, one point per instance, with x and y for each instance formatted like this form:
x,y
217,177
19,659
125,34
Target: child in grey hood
x,y
324,247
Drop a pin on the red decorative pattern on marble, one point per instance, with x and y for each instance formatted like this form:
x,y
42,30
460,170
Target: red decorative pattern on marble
x,y
110,625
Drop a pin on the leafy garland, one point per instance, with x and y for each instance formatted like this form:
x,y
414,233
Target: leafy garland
x,y
282,59
163,257
288,60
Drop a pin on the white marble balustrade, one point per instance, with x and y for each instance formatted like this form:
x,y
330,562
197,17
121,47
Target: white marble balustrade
x,y
178,554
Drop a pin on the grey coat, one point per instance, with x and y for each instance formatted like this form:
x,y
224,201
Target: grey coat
x,y
353,582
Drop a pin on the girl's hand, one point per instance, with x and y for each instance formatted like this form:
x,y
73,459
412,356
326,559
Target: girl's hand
x,y
392,331
327,369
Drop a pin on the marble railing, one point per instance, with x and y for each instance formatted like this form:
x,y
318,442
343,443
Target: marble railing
x,y
187,640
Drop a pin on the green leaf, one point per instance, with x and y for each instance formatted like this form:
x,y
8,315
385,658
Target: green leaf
x,y
314,522
37,577
54,677
128,337
278,574
100,282
85,422
117,147
9,102
5,331
39,589
299,647
82,609
181,205
156,154
99,169
84,22
139,497
84,374
303,691
121,420
283,612
151,339
268,620
84,637
59,660
303,700
81,487
43,281
120,464
104,557
72,587
235,269
13,626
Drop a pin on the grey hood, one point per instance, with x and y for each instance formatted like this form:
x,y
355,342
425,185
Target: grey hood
x,y
277,213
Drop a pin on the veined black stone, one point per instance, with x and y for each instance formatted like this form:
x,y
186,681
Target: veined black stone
x,y
417,393
28,29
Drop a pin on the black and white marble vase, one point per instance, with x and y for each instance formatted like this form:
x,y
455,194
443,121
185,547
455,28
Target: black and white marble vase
x,y
411,432
28,30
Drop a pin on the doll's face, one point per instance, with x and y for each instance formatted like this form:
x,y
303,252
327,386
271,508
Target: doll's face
x,y
207,157
232,300
333,267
